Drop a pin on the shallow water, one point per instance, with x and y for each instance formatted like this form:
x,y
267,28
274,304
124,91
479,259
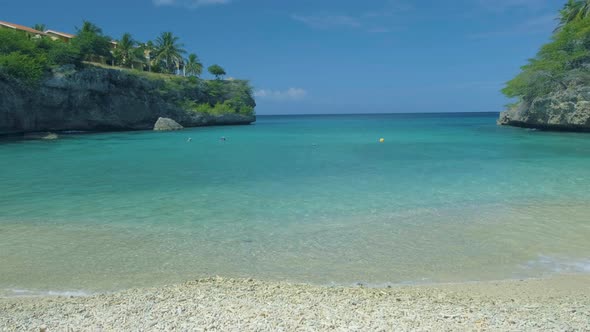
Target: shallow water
x,y
446,197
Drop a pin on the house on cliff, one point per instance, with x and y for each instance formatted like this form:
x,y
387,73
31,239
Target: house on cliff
x,y
32,33
56,35
67,37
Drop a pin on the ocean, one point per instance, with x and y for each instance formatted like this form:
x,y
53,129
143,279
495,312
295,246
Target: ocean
x,y
314,199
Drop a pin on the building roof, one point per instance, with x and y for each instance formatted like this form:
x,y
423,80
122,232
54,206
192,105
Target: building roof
x,y
21,28
63,34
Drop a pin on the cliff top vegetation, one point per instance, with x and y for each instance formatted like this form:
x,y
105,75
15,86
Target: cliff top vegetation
x,y
29,59
560,64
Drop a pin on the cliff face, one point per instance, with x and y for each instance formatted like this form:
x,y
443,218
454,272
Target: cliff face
x,y
97,99
567,110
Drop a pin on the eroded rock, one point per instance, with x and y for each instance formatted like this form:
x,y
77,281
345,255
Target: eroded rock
x,y
567,110
166,124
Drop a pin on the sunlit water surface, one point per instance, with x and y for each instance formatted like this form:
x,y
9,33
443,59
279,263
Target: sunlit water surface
x,y
446,197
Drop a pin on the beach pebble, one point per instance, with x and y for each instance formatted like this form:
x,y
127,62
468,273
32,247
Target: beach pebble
x,y
222,304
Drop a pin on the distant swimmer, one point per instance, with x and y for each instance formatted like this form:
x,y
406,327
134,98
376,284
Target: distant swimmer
x,y
188,140
222,138
381,140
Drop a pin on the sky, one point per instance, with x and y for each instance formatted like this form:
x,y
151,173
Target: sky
x,y
334,56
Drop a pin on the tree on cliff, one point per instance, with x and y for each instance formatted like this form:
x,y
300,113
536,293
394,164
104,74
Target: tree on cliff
x,y
148,52
193,67
169,51
563,62
89,27
217,71
573,10
91,42
39,27
126,53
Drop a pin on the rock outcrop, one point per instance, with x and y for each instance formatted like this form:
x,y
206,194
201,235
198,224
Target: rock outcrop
x,y
567,110
98,99
166,124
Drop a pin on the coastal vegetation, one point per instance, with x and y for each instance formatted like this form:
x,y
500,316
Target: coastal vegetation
x,y
28,60
217,71
563,62
552,91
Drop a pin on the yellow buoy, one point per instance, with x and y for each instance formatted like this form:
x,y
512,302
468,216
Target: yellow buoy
x,y
381,140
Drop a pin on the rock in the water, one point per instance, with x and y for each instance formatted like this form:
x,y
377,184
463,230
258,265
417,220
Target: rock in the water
x,y
166,124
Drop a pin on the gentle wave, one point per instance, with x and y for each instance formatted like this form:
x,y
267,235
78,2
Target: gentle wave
x,y
38,293
558,265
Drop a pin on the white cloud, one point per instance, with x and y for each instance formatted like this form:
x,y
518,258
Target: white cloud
x,y
190,3
328,21
277,95
373,20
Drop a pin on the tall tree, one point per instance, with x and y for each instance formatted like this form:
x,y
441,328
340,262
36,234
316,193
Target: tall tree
x,y
40,27
217,71
193,67
89,27
563,62
93,45
125,53
573,10
169,51
148,53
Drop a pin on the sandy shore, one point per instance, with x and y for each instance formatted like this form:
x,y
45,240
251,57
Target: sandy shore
x,y
557,304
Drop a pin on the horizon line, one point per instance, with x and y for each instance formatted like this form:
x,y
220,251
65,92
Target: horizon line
x,y
390,113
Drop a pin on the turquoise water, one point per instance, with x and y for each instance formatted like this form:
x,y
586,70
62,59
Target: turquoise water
x,y
446,197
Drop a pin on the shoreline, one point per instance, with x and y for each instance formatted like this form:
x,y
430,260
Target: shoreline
x,y
555,303
30,293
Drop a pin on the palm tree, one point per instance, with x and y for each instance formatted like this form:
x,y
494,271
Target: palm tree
x,y
126,53
169,51
148,52
573,10
193,67
88,26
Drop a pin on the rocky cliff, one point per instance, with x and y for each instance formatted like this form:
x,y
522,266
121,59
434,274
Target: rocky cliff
x,y
98,99
565,110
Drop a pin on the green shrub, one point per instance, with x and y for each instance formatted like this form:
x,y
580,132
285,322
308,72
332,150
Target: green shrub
x,y
562,62
15,41
64,53
24,67
203,108
222,108
247,110
218,109
92,45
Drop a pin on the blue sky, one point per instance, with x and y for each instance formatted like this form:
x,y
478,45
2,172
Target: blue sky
x,y
335,56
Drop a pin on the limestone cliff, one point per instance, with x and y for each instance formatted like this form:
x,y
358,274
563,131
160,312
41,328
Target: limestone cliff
x,y
565,110
98,99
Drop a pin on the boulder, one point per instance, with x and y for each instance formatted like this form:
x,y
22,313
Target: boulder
x,y
167,124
